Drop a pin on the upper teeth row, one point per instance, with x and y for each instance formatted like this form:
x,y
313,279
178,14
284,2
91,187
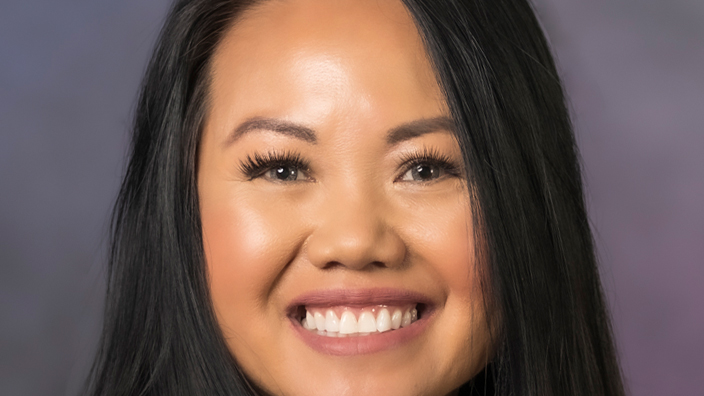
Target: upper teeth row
x,y
349,324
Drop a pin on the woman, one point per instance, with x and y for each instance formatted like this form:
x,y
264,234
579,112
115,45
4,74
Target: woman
x,y
353,197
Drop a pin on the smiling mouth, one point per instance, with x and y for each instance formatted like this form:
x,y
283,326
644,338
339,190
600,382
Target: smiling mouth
x,y
347,321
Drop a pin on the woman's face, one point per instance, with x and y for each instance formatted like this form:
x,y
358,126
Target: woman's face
x,y
337,227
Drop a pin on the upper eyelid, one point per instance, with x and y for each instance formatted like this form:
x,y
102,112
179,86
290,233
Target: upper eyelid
x,y
263,162
429,155
270,158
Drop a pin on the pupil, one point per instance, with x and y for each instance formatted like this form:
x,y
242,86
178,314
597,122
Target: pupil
x,y
285,173
424,172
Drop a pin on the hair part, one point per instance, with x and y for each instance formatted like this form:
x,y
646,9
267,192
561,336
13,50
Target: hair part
x,y
493,64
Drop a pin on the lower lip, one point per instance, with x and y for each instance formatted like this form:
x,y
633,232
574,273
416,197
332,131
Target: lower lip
x,y
361,345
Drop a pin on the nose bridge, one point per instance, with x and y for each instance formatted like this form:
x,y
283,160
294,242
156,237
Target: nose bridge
x,y
354,229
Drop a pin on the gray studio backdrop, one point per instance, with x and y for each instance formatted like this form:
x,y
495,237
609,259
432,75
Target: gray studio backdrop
x,y
69,73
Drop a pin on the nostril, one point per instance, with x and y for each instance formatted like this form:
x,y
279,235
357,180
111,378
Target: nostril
x,y
379,264
333,264
373,264
357,247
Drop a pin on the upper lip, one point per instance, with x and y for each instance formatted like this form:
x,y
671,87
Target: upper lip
x,y
358,298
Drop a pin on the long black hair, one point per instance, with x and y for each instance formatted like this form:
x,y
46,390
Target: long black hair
x,y
493,64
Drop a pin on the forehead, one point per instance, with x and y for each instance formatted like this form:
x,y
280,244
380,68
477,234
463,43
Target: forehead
x,y
321,61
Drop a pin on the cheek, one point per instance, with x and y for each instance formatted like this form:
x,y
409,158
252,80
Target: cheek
x,y
455,263
446,246
445,240
246,246
455,258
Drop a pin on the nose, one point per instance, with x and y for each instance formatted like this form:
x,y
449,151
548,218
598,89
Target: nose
x,y
355,231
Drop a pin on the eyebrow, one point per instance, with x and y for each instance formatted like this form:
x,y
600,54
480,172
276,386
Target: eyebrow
x,y
417,128
272,124
394,136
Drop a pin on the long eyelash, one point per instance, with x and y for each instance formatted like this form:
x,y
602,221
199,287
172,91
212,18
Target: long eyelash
x,y
257,165
431,156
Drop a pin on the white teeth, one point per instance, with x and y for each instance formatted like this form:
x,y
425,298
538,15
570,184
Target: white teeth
x,y
332,323
310,321
367,324
383,321
319,321
396,319
406,319
348,323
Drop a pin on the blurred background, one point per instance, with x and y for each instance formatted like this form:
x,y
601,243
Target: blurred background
x,y
69,74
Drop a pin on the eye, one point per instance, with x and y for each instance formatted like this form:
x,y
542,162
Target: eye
x,y
285,173
423,172
276,167
426,166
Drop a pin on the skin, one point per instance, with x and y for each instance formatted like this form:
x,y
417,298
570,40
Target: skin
x,y
350,71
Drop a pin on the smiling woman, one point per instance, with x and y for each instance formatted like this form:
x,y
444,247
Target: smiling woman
x,y
336,221
353,197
